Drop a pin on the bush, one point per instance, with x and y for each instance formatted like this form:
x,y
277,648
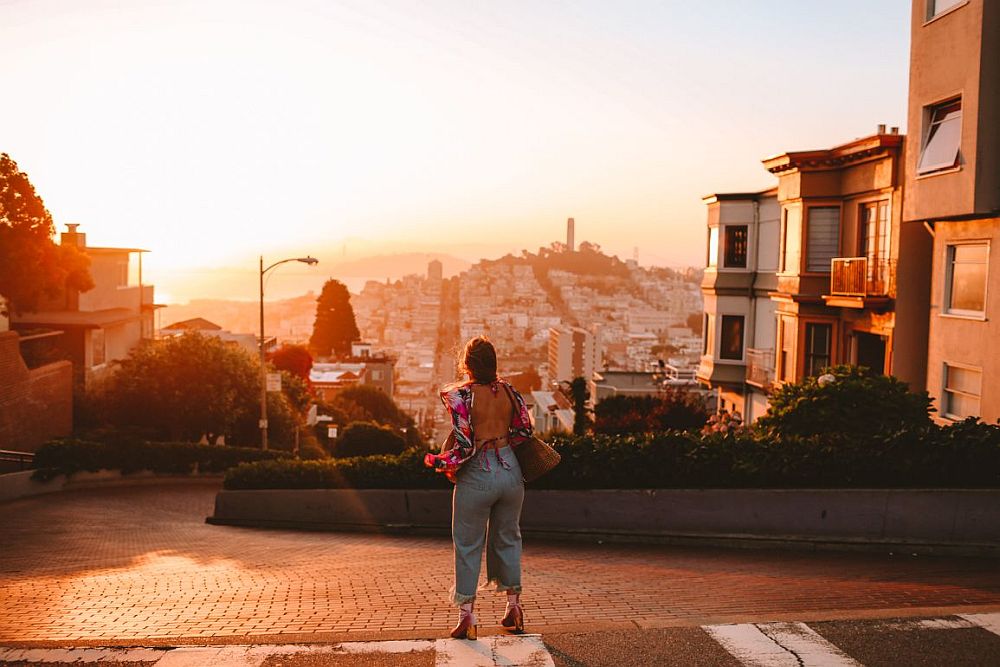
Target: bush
x,y
404,471
65,457
962,455
856,402
674,409
368,439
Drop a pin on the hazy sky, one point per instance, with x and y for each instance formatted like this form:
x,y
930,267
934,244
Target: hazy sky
x,y
212,131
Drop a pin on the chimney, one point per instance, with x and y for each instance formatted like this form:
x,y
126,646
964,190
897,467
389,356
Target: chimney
x,y
881,128
894,130
73,237
570,242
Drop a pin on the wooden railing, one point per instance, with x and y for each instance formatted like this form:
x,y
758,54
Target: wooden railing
x,y
760,367
859,276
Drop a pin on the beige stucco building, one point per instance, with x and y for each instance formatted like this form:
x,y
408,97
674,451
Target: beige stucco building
x,y
102,324
953,199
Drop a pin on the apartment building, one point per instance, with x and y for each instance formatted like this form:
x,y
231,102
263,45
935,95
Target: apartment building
x,y
739,322
838,247
952,201
104,323
573,352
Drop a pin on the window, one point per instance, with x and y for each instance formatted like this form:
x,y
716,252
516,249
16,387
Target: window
x,y
874,237
713,246
731,346
965,281
122,274
783,242
376,375
818,337
823,237
97,346
709,329
942,137
736,247
787,357
962,389
936,7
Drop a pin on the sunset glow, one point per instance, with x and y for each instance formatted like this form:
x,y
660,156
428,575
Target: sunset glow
x,y
213,132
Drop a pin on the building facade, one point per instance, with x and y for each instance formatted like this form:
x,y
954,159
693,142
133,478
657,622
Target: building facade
x,y
838,248
573,352
738,326
105,323
953,199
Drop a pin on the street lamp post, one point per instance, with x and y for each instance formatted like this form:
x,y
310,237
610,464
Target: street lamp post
x,y
263,367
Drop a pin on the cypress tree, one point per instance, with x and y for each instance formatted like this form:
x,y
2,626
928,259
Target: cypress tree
x,y
335,327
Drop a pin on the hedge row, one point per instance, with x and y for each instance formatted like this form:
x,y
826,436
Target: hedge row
x,y
70,456
962,455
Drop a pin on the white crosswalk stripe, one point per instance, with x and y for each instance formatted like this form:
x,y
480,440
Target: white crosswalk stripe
x,y
778,645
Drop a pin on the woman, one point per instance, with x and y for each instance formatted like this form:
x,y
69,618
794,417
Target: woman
x,y
489,419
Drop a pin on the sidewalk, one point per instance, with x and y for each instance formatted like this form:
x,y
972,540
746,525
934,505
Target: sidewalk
x,y
127,565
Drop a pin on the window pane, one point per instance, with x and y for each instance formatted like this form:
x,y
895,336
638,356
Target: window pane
x,y
958,405
713,246
970,253
823,234
732,337
736,246
817,347
943,139
965,380
968,278
938,6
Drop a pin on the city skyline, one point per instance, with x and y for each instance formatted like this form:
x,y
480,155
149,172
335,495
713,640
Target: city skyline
x,y
250,129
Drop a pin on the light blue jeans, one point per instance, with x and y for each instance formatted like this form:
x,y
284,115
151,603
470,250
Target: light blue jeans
x,y
486,510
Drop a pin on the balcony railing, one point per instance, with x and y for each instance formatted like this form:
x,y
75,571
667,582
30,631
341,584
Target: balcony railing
x,y
861,276
760,367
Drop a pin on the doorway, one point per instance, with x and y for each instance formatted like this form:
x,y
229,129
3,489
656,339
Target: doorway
x,y
870,351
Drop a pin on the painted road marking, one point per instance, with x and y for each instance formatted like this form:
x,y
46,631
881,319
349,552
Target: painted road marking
x,y
989,622
778,645
493,651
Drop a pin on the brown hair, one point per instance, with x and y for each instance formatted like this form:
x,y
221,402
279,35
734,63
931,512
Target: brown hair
x,y
479,360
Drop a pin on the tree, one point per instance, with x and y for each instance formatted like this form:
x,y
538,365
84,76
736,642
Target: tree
x,y
191,386
848,400
32,266
294,359
335,327
368,439
378,407
581,413
694,322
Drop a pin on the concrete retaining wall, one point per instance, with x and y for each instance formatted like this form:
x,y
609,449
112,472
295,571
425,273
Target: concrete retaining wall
x,y
937,520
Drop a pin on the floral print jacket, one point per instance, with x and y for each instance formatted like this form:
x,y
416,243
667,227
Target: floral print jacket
x,y
459,401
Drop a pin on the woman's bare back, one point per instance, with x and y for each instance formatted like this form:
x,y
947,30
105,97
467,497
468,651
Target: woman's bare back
x,y
491,413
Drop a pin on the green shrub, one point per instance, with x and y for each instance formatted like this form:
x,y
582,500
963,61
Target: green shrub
x,y
368,439
962,455
65,457
673,409
856,402
403,471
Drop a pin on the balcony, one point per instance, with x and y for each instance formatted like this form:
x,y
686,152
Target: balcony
x,y
760,367
858,282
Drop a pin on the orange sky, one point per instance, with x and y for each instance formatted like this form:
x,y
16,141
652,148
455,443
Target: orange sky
x,y
210,132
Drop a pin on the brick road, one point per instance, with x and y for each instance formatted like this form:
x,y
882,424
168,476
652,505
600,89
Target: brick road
x,y
135,563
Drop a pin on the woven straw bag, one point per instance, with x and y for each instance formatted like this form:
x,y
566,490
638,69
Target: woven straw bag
x,y
536,457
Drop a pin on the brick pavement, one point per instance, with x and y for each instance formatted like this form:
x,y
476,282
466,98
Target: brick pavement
x,y
140,563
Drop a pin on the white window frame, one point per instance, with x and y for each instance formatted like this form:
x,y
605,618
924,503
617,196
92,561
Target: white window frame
x,y
713,247
945,391
949,264
928,116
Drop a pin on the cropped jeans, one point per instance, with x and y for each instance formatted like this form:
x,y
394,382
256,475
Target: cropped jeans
x,y
486,510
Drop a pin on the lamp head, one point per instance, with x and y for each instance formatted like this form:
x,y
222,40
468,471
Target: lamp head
x,y
308,260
